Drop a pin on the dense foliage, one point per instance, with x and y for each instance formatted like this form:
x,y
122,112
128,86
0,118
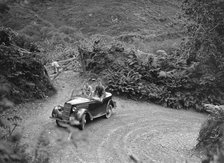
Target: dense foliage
x,y
206,40
166,80
205,46
211,137
21,69
10,150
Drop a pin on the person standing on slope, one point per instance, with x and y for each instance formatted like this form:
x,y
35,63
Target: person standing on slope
x,y
56,66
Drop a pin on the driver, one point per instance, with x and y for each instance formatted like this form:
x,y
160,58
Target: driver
x,y
99,92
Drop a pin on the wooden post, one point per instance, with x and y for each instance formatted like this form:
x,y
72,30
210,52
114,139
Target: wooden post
x,y
82,60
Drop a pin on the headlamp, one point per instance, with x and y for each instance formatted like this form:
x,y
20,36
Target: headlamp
x,y
74,109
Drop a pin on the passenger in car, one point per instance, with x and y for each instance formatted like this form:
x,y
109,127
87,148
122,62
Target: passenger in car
x,y
87,90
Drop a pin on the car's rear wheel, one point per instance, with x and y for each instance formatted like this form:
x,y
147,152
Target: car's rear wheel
x,y
109,111
83,122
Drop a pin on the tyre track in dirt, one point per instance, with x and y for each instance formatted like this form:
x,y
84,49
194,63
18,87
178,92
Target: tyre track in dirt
x,y
152,138
148,132
36,115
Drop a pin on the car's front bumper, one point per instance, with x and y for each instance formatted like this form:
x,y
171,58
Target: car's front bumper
x,y
71,121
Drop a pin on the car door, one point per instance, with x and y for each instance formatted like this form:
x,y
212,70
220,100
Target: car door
x,y
94,108
97,108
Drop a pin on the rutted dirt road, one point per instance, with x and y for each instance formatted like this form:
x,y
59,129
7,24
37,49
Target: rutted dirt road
x,y
146,131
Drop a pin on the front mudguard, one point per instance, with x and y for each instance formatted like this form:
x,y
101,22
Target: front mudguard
x,y
81,112
57,112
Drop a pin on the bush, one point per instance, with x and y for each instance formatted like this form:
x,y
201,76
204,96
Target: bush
x,y
211,138
23,71
205,42
170,82
4,8
10,150
10,37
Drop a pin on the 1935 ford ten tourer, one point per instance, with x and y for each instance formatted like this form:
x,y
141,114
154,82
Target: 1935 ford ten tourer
x,y
78,110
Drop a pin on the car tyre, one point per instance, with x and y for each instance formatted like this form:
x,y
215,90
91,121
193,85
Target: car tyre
x,y
83,122
58,123
109,111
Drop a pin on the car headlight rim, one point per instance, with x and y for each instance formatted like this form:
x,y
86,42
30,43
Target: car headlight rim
x,y
74,109
59,108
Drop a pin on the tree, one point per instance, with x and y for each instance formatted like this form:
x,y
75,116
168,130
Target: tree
x,y
206,39
206,28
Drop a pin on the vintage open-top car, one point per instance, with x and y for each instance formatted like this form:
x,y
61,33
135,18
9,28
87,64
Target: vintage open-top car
x,y
78,110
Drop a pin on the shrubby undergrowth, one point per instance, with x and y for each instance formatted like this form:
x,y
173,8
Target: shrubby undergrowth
x,y
163,79
21,69
211,138
10,149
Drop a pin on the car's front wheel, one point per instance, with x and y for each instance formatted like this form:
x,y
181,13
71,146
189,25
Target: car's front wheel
x,y
83,122
109,111
58,123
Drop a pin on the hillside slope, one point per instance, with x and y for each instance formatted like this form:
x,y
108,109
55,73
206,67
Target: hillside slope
x,y
67,22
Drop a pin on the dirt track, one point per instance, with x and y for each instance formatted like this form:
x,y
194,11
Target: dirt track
x,y
146,131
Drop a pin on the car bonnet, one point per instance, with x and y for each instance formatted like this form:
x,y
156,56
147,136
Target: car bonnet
x,y
78,100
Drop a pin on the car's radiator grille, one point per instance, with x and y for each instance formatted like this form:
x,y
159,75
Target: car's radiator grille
x,y
66,111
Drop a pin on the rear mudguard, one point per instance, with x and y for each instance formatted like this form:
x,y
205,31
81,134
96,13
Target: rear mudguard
x,y
113,104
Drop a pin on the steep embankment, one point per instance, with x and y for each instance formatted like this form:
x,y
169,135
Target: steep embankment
x,y
24,76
